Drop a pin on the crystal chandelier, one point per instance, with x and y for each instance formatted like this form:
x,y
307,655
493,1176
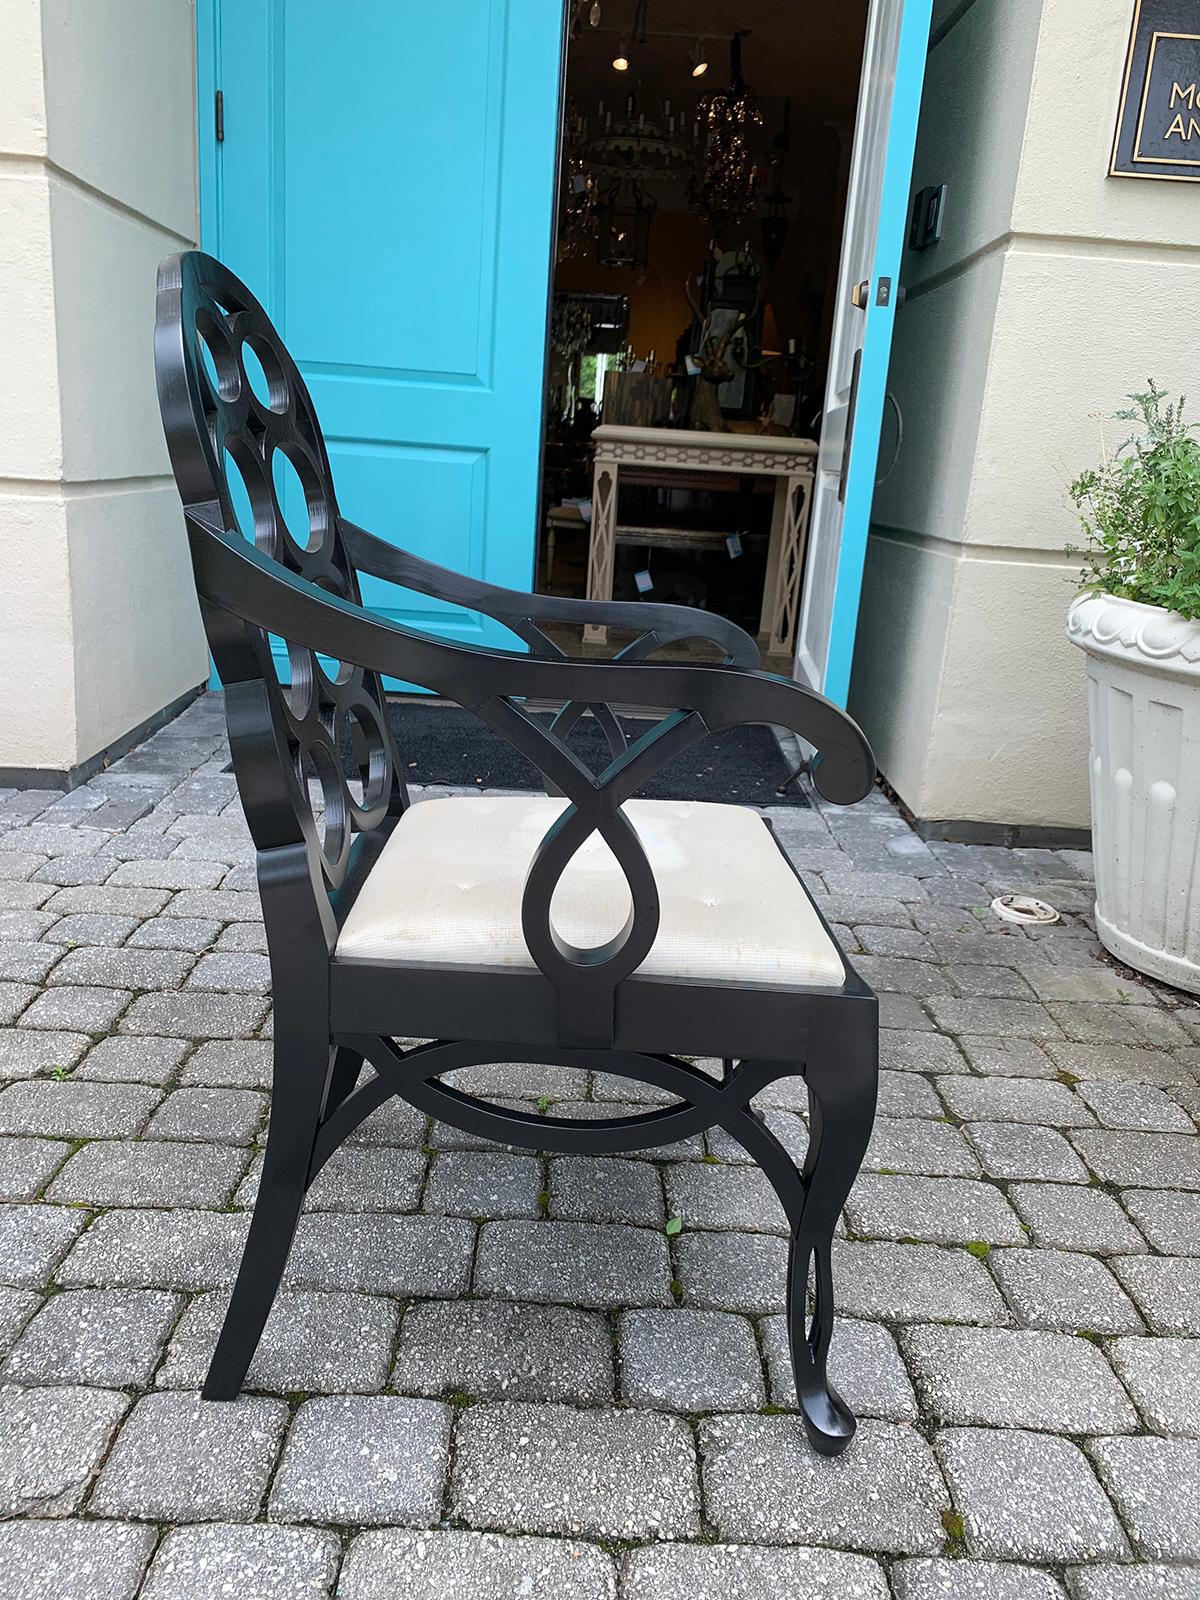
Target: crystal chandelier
x,y
727,185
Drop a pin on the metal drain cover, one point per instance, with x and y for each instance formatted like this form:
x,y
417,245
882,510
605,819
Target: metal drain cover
x,y
1024,908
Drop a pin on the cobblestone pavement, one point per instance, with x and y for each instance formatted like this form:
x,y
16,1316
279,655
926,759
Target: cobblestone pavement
x,y
496,1374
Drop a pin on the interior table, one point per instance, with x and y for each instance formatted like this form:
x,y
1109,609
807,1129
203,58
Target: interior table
x,y
661,456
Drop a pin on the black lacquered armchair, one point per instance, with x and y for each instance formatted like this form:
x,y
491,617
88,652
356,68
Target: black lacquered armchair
x,y
583,927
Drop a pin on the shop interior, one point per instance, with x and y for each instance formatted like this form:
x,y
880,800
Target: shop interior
x,y
705,157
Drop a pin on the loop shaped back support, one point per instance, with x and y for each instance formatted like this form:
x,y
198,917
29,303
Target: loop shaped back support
x,y
249,456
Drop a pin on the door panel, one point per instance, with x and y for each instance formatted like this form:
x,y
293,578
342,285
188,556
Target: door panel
x,y
872,243
385,186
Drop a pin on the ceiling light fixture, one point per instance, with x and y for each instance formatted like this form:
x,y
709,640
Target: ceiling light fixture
x,y
621,59
698,56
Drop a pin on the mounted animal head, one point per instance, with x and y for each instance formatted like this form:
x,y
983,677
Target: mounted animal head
x,y
714,368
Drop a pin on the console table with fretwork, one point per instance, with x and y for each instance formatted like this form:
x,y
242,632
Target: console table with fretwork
x,y
661,456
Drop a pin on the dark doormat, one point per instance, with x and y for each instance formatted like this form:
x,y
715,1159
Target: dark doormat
x,y
445,744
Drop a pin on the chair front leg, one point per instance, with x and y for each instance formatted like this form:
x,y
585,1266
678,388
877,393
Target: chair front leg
x,y
839,1128
842,1086
302,1072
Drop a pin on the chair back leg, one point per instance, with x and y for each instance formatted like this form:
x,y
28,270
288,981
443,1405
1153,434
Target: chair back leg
x,y
304,1068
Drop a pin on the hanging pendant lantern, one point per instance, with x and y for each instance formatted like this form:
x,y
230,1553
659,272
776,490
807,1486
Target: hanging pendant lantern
x,y
623,218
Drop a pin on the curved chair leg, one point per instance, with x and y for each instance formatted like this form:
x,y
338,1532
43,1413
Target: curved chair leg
x,y
301,1076
842,1097
842,1109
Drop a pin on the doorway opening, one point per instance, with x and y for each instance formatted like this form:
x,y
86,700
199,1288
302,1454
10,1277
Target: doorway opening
x,y
702,187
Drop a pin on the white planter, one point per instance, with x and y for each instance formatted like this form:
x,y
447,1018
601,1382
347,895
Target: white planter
x,y
1144,708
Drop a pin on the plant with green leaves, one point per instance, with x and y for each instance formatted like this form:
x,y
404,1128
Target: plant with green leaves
x,y
1141,509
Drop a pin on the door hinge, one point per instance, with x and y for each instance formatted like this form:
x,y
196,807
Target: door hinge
x,y
219,115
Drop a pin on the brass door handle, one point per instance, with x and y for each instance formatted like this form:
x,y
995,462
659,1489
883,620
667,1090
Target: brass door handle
x,y
860,294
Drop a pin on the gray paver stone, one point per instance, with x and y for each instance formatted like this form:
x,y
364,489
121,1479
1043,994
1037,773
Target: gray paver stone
x,y
1170,1218
157,1250
1119,1063
1014,1100
229,1064
1155,1484
1015,1378
181,1459
605,1189
195,1015
124,968
105,1337
225,1116
1075,1217
147,1173
940,1210
749,1572
1167,1290
689,1361
934,1149
232,971
26,1052
1008,1058
1018,1019
1015,1150
1027,1497
706,1196
128,1058
76,1008
936,1579
175,933
77,1110
580,1263
363,1459
906,1050
1143,1582
472,1566
379,1254
480,1183
73,1560
915,1283
1163,1376
494,1349
51,1443
1063,1289
1152,1160
551,1469
227,1560
732,1271
25,1165
312,1343
763,1483
33,1239
1135,1105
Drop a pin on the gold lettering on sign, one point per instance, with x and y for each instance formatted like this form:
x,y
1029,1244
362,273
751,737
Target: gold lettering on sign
x,y
1188,96
1192,130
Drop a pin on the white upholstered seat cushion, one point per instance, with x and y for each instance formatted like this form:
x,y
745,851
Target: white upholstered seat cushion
x,y
448,884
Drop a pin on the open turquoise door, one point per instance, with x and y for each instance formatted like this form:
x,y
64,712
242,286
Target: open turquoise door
x,y
877,205
385,185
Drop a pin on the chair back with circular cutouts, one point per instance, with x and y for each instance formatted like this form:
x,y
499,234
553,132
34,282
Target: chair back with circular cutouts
x,y
249,457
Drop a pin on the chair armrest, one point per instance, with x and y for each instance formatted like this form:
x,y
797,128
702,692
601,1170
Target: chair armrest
x,y
515,609
235,576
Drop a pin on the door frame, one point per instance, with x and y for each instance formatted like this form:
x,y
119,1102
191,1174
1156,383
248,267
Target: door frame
x,y
895,199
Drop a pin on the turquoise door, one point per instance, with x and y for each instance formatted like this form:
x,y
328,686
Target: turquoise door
x,y
877,204
385,186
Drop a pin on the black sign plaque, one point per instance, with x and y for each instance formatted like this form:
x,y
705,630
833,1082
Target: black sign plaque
x,y
1158,124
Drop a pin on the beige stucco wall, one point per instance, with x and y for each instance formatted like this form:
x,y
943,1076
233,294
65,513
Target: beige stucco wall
x,y
98,621
1054,292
